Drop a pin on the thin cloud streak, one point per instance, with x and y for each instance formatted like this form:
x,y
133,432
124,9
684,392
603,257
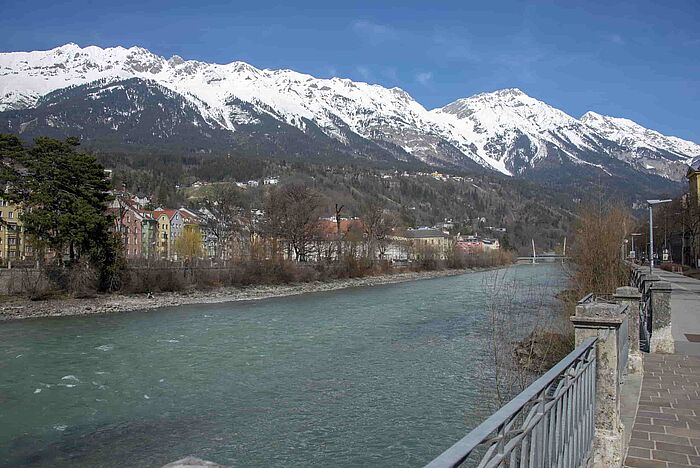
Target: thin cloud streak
x,y
373,33
424,78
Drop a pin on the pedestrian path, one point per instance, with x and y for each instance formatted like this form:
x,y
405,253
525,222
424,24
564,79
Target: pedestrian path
x,y
666,431
685,311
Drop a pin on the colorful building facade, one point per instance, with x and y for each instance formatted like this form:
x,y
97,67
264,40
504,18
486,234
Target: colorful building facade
x,y
13,242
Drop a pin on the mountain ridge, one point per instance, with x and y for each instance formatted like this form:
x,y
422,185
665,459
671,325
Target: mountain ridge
x,y
506,130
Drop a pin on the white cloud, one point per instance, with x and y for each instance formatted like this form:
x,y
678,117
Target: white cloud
x,y
424,78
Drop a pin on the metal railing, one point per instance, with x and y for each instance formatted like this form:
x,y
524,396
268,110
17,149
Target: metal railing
x,y
550,423
645,322
623,348
645,312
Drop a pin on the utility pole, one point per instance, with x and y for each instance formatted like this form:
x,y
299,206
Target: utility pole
x,y
564,253
534,255
651,230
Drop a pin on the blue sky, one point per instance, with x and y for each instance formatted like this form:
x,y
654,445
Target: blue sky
x,y
635,59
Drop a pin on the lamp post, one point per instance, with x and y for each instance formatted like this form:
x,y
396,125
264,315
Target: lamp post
x,y
633,235
651,230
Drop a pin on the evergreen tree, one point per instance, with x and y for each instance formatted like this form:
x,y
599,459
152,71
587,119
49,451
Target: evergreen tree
x,y
64,198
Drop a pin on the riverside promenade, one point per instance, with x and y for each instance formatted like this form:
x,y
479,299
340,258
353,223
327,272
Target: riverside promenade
x,y
666,431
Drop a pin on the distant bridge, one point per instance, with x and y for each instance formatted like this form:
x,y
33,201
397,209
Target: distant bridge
x,y
544,258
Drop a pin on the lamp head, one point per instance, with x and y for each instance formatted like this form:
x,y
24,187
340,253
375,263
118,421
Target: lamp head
x,y
657,202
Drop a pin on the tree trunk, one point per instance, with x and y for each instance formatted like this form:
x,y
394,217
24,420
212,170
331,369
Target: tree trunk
x,y
338,209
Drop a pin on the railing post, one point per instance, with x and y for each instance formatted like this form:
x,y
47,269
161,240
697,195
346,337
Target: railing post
x,y
603,321
631,297
646,280
661,337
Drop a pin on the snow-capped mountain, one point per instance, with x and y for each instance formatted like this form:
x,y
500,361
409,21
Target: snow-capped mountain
x,y
131,96
645,148
518,131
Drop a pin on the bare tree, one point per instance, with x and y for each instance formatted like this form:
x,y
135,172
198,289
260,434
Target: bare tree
x,y
378,223
339,240
223,209
291,214
596,256
526,335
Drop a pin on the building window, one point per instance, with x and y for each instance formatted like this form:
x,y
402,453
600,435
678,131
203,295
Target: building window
x,y
11,214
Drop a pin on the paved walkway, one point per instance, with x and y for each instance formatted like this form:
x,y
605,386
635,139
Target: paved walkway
x,y
685,311
666,432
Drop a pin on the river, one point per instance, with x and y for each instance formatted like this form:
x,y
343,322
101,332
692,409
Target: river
x,y
379,376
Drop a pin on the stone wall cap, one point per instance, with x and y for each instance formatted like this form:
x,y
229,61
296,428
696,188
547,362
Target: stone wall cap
x,y
627,292
661,285
597,322
601,309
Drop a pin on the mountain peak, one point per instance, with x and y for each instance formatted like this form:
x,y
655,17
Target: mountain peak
x,y
510,92
175,60
591,117
505,93
69,45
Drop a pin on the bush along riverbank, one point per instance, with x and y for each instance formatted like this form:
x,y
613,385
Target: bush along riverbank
x,y
156,286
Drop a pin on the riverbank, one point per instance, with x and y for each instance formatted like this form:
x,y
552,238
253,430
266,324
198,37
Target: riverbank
x,y
18,309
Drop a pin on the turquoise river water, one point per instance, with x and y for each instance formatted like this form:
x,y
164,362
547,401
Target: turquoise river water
x,y
378,376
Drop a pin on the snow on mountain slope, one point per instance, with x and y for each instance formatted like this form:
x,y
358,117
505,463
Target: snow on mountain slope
x,y
645,148
632,135
335,105
517,131
507,130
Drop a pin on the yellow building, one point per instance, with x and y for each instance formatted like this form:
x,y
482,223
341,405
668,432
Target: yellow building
x,y
693,183
13,245
408,244
163,233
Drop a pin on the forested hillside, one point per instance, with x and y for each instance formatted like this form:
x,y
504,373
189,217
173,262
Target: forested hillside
x,y
472,202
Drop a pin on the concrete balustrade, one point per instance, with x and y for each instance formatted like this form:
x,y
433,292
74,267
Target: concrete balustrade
x,y
604,321
631,297
661,337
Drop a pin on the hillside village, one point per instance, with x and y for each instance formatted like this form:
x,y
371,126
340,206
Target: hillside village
x,y
177,234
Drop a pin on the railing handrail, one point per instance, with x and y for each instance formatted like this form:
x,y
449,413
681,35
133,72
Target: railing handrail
x,y
459,452
587,298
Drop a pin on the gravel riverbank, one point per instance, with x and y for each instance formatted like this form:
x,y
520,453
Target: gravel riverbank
x,y
17,309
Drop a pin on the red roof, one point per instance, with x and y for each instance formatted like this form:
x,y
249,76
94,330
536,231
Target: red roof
x,y
329,228
170,213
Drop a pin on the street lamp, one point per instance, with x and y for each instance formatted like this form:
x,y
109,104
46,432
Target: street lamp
x,y
651,230
633,235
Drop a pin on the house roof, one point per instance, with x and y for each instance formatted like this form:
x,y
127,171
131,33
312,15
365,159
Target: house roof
x,y
168,212
694,165
329,227
190,217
